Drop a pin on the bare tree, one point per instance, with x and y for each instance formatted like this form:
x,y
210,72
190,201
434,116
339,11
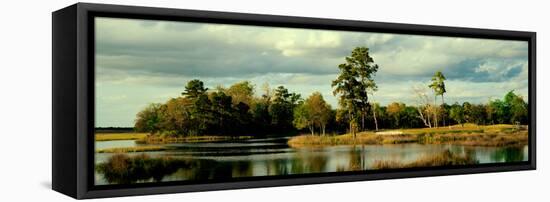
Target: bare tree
x,y
422,105
374,107
371,88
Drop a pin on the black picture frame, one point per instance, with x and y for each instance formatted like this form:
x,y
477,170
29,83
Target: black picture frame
x,y
73,98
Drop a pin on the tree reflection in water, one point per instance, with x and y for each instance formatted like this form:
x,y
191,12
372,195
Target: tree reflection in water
x,y
508,154
127,169
123,169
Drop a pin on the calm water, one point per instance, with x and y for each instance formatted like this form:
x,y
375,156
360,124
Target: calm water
x,y
272,156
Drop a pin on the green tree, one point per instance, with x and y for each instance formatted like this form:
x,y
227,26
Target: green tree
x,y
282,106
457,113
467,109
201,114
352,83
438,86
149,119
201,109
319,111
501,111
512,110
396,110
494,111
518,108
260,110
222,110
410,118
342,118
347,86
478,114
444,110
363,63
490,111
302,118
241,92
194,89
261,116
243,118
177,119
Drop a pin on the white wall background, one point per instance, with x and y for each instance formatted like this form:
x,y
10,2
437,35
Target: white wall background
x,y
25,99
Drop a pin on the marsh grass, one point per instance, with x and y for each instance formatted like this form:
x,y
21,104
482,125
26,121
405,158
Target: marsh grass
x,y
133,149
517,138
146,138
446,158
157,139
309,140
119,136
304,140
470,134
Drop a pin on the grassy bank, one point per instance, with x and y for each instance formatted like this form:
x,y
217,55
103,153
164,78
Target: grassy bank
x,y
442,159
119,136
153,139
470,134
145,138
133,149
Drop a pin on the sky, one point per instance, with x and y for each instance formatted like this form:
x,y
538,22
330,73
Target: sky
x,y
139,62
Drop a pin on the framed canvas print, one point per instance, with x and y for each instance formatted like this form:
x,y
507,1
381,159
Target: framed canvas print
x,y
155,100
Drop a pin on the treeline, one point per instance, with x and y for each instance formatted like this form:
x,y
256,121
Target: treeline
x,y
114,129
222,111
237,110
512,109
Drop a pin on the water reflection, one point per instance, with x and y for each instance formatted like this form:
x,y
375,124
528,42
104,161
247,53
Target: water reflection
x,y
508,154
264,157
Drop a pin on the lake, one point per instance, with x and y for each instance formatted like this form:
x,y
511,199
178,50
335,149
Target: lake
x,y
272,156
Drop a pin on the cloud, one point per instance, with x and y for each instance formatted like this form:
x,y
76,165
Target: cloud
x,y
144,61
218,50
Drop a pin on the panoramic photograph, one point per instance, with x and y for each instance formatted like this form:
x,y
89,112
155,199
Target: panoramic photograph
x,y
201,102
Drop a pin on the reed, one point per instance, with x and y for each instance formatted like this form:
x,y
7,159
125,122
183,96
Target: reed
x,y
133,149
119,136
446,158
470,134
157,139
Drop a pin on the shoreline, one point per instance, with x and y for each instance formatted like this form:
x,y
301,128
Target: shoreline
x,y
148,138
500,135
146,142
470,135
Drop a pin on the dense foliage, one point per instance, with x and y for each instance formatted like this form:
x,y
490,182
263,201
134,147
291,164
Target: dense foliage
x,y
223,111
218,112
240,110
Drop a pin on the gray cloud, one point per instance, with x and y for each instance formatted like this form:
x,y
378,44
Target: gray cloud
x,y
143,61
